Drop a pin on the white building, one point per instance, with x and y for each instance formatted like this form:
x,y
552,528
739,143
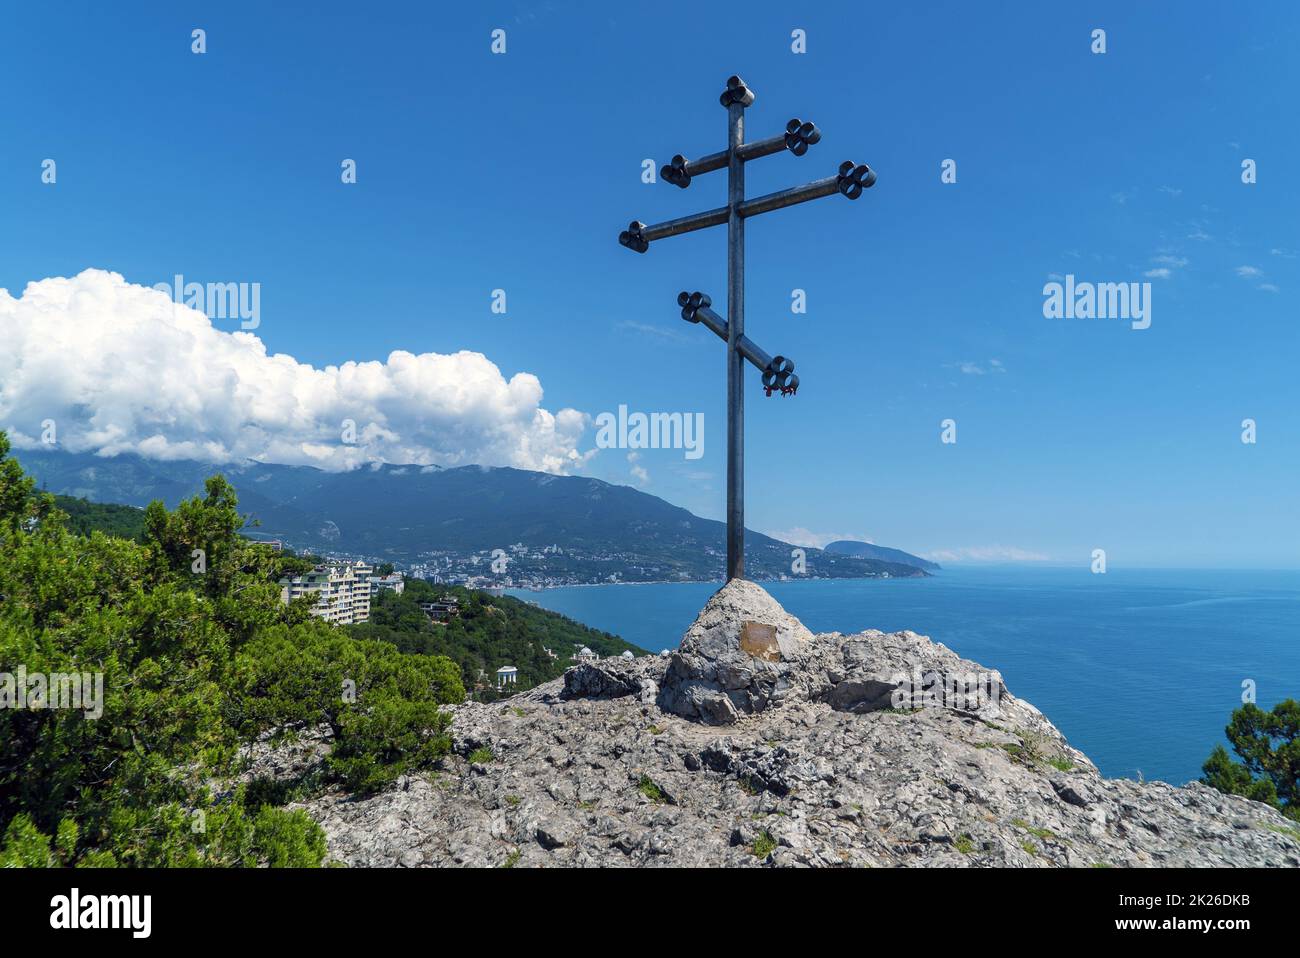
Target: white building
x,y
393,583
586,656
342,591
506,675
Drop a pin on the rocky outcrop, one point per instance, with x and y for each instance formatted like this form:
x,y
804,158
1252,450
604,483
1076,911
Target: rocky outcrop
x,y
757,743
730,662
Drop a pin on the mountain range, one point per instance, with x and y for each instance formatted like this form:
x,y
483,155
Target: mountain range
x,y
868,550
552,528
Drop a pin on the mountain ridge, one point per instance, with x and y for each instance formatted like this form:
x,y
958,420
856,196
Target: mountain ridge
x,y
450,520
854,547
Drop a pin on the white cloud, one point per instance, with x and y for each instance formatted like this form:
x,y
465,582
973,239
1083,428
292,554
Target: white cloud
x,y
658,332
800,536
1249,271
986,554
121,368
639,472
1168,262
1267,287
976,369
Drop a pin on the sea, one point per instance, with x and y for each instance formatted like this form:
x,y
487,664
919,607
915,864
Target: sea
x,y
1139,668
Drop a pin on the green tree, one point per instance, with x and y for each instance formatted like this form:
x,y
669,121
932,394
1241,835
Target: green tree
x,y
1268,748
489,631
196,660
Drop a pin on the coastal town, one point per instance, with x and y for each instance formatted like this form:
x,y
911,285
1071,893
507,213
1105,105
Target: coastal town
x,y
515,566
521,566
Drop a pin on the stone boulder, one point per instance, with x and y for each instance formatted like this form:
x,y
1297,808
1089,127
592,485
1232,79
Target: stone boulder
x,y
733,659
614,678
744,654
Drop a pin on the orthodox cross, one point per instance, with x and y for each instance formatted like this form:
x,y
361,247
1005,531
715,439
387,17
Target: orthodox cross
x,y
777,372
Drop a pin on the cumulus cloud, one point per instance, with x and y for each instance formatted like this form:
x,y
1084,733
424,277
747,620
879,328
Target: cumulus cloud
x,y
121,368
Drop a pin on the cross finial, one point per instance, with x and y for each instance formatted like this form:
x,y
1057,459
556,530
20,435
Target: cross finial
x,y
736,92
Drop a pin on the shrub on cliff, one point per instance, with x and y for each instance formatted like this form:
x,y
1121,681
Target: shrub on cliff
x,y
1268,746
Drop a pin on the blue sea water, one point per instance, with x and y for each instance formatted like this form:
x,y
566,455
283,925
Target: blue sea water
x,y
1140,669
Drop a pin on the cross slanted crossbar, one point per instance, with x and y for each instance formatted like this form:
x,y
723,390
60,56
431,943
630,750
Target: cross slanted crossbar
x,y
777,372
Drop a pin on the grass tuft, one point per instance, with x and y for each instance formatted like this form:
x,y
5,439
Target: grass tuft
x,y
647,787
1042,834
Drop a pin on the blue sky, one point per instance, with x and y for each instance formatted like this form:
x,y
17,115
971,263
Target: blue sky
x,y
479,172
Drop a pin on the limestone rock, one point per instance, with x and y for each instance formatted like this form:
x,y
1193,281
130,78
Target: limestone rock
x,y
611,678
730,661
864,749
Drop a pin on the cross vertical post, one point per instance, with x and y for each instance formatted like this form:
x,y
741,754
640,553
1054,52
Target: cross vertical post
x,y
735,330
777,372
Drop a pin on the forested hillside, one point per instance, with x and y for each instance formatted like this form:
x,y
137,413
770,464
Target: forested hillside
x,y
85,517
490,631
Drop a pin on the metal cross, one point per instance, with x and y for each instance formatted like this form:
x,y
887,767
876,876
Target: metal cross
x,y
778,372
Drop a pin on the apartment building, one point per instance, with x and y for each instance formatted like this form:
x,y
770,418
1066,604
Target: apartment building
x,y
394,583
342,591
